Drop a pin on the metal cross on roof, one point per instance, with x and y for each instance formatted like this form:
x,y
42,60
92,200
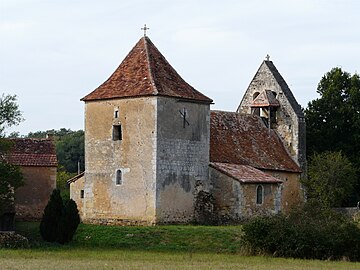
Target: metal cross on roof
x,y
145,28
267,57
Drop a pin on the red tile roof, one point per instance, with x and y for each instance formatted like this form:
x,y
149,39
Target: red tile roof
x,y
145,72
244,139
33,152
244,173
265,99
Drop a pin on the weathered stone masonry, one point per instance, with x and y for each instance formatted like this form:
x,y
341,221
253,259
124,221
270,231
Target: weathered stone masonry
x,y
150,138
182,157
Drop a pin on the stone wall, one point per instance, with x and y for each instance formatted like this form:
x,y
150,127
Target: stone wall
x,y
182,158
31,199
235,201
290,120
133,200
292,191
76,191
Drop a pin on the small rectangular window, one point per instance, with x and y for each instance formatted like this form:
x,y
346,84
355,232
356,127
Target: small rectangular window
x,y
117,133
82,194
118,177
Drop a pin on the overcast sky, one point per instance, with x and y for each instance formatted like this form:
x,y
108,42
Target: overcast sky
x,y
52,53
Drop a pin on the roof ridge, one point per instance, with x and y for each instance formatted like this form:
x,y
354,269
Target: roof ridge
x,y
285,87
151,77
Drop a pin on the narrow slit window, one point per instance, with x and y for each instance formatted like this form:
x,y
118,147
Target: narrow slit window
x,y
116,114
82,194
117,134
259,194
118,177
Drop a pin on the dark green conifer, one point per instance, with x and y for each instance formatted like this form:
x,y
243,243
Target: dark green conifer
x,y
59,221
70,221
49,226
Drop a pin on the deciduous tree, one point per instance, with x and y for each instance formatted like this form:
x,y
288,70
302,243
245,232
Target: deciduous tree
x,y
10,175
333,120
331,178
10,114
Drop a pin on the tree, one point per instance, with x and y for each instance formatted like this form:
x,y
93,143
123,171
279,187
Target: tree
x,y
59,221
10,175
330,178
49,225
10,114
70,151
61,182
70,221
333,119
69,147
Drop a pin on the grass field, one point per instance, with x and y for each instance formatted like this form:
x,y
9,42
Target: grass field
x,y
161,247
121,259
219,239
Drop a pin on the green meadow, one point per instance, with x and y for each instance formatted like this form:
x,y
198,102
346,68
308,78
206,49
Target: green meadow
x,y
160,247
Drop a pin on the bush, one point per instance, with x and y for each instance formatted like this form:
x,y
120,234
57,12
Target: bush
x,y
70,221
59,221
49,225
311,233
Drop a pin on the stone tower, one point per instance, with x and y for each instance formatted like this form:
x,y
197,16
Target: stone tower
x,y
269,96
146,143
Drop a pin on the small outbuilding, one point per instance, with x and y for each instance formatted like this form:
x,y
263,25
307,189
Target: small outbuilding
x,y
38,163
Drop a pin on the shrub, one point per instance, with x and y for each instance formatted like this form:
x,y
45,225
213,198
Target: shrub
x,y
59,221
70,221
311,232
49,225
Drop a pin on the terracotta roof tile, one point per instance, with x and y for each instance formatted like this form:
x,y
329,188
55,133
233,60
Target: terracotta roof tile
x,y
265,99
145,72
244,139
244,173
33,152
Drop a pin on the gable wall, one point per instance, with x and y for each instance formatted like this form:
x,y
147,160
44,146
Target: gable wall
x,y
290,127
75,193
31,199
132,202
182,158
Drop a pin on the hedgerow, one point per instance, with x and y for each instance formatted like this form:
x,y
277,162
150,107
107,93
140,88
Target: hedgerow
x,y
311,232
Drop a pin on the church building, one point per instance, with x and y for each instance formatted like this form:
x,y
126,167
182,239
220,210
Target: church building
x,y
152,144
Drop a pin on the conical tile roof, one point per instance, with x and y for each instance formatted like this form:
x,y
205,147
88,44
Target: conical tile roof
x,y
145,72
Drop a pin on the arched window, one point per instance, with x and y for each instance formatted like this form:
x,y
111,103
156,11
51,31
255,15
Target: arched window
x,y
118,178
259,194
255,95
